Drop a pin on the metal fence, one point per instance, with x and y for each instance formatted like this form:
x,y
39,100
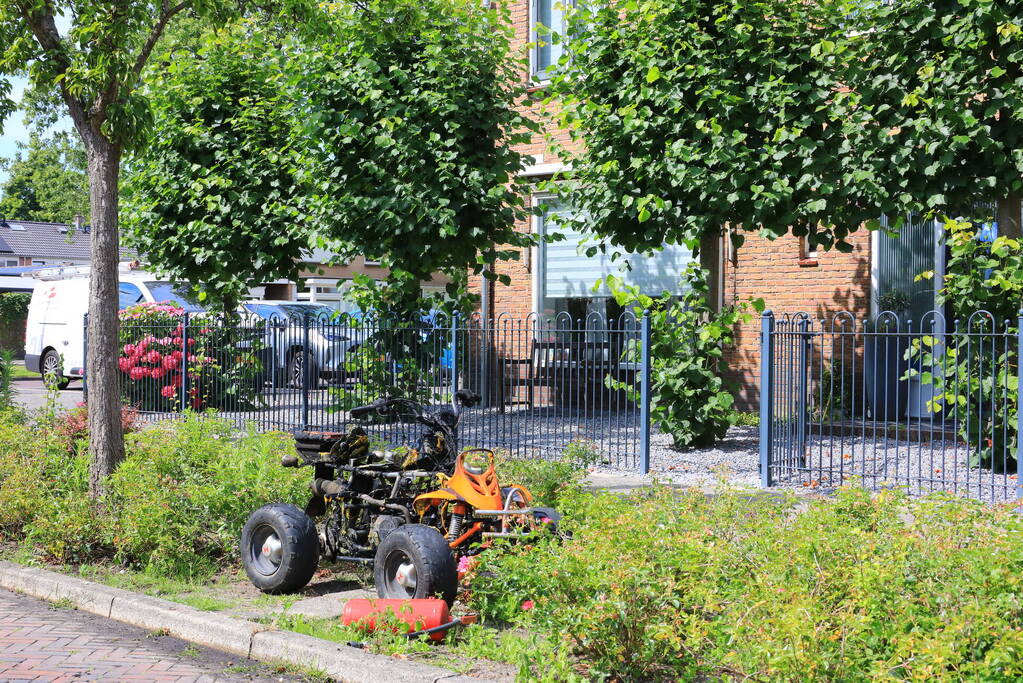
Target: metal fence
x,y
548,386
928,405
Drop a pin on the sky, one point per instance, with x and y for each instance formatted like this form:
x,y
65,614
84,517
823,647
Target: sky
x,y
14,126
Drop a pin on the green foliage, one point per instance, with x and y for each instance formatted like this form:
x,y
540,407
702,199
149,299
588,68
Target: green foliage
x,y
46,181
411,104
774,116
14,307
550,481
974,369
213,199
946,105
6,375
386,130
174,507
689,398
694,115
664,585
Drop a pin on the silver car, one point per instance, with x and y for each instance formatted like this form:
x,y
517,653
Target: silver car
x,y
289,327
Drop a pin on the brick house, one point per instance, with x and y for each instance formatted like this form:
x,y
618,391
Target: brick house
x,y
557,278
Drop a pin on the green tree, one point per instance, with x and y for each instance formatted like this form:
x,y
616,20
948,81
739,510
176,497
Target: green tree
x,y
943,82
213,198
774,116
387,133
46,181
94,71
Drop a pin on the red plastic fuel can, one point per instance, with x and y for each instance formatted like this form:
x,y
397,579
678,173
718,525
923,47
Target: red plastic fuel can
x,y
418,614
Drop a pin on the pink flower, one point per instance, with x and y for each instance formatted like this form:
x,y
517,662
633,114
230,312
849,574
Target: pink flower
x,y
164,341
157,372
176,355
169,363
153,356
176,380
191,358
126,364
168,391
129,349
138,373
527,605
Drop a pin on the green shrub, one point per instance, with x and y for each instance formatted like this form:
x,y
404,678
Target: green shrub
x,y
689,398
972,371
175,506
180,499
550,481
668,585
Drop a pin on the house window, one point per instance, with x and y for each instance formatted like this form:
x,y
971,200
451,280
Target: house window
x,y
565,275
807,250
547,31
10,263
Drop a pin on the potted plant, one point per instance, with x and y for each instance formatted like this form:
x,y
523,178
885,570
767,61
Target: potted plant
x,y
885,366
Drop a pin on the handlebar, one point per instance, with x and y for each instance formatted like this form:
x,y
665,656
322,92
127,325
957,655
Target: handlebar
x,y
377,405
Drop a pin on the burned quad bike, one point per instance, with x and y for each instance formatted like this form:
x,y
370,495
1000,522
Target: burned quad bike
x,y
411,512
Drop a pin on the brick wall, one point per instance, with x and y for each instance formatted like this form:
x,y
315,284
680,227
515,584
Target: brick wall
x,y
777,272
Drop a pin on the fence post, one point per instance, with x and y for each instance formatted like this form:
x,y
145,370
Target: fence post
x,y
766,396
85,359
185,388
306,370
1019,401
644,409
802,407
454,360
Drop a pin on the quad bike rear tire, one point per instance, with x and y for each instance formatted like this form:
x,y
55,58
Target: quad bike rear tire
x,y
548,516
279,548
415,561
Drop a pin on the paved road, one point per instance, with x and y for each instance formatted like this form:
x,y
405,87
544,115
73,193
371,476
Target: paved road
x,y
33,395
41,642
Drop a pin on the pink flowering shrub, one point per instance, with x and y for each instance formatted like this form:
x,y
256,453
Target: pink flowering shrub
x,y
154,360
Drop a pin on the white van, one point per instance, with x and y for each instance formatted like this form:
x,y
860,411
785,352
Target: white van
x,y
54,335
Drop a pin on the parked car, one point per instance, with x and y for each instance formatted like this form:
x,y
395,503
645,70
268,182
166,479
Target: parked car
x,y
55,331
286,336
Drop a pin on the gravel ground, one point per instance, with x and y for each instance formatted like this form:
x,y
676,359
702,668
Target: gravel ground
x,y
613,440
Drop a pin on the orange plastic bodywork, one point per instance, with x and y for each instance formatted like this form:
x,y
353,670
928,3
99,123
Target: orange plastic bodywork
x,y
481,491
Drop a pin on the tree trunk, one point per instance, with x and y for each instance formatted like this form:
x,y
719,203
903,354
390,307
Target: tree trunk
x,y
106,440
1009,210
710,261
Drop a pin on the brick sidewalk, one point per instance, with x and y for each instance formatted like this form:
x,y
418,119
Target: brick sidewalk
x,y
40,642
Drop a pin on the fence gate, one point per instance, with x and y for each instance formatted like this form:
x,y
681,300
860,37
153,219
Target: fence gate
x,y
923,405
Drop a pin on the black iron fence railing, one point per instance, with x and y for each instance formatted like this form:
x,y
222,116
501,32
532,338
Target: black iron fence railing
x,y
547,387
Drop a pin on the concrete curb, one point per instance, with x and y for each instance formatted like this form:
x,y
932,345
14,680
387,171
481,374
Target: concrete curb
x,y
237,636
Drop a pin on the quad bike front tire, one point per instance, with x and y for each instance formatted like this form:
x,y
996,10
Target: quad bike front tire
x,y
415,561
279,548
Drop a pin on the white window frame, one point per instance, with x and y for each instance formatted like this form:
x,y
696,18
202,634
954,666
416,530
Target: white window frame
x,y
536,76
536,259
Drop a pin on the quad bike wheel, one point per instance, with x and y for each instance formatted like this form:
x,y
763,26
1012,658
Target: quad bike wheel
x,y
547,516
414,561
279,548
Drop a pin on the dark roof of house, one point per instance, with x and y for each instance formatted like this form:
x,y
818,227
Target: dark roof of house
x,y
46,240
4,247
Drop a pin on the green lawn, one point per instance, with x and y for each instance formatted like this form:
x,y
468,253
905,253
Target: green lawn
x,y
19,371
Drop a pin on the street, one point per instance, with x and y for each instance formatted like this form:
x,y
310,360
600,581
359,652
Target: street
x,y
44,642
31,394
